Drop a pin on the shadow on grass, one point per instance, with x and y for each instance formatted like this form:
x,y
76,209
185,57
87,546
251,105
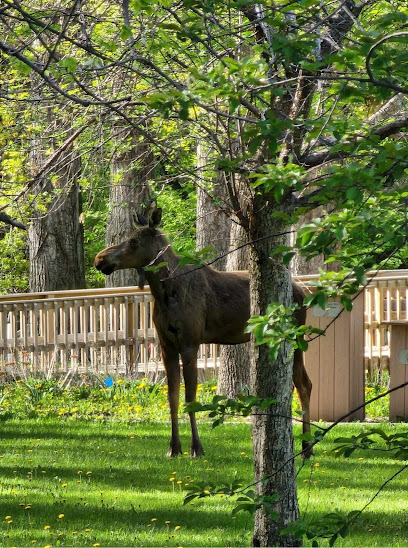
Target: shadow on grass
x,y
118,455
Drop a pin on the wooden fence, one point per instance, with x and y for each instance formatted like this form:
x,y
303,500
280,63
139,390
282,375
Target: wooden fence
x,y
385,301
111,330
100,331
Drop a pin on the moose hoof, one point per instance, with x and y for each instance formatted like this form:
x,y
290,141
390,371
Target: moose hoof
x,y
197,452
174,451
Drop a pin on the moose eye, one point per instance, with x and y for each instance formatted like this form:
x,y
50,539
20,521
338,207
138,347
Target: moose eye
x,y
134,242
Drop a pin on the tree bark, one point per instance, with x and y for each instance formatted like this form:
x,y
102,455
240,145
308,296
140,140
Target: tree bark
x,y
272,433
55,238
213,225
215,229
233,373
132,167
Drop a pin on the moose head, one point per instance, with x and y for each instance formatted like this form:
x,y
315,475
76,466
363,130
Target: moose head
x,y
140,250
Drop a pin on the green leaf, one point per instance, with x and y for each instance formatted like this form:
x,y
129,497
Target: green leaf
x,y
69,64
125,32
155,268
246,507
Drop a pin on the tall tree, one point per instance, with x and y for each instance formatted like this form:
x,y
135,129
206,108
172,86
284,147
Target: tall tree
x,y
213,222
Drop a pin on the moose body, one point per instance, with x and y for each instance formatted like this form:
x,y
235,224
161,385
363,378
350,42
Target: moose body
x,y
192,306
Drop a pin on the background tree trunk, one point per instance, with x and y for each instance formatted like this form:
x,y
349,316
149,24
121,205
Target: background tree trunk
x,y
131,168
233,373
215,229
55,238
213,224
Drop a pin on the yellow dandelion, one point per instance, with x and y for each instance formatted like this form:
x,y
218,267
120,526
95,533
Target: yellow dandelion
x,y
177,527
96,544
46,527
7,517
153,519
60,516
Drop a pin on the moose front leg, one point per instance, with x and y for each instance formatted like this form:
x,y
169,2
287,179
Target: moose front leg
x,y
189,359
172,367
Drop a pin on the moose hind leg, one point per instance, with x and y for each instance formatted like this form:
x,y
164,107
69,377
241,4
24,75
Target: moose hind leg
x,y
189,359
172,366
304,388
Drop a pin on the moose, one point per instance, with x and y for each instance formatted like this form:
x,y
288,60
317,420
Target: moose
x,y
193,306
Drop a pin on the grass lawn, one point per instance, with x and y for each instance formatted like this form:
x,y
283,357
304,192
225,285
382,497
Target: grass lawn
x,y
86,467
81,483
84,483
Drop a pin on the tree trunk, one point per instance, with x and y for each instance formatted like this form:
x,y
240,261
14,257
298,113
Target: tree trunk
x,y
215,229
55,238
272,433
213,225
129,194
233,374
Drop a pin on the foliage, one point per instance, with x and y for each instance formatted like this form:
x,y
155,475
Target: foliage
x,y
13,263
179,217
279,325
124,401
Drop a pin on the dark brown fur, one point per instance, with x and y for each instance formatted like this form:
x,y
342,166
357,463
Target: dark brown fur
x,y
193,306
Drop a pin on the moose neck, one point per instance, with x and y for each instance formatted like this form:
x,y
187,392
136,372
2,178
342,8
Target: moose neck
x,y
157,279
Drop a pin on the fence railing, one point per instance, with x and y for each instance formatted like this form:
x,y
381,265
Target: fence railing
x,y
99,331
385,300
111,330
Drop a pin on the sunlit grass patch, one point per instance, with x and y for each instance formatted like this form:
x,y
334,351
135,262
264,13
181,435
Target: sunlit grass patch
x,y
79,483
96,474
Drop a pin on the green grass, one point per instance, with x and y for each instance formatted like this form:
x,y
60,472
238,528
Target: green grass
x,y
88,468
112,484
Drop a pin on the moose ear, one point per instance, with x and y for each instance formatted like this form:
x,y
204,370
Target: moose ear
x,y
155,217
139,219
